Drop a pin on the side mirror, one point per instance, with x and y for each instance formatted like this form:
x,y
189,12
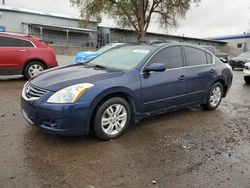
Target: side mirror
x,y
224,60
156,67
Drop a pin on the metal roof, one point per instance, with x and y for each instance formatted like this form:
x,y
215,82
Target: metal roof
x,y
231,37
175,36
60,27
38,12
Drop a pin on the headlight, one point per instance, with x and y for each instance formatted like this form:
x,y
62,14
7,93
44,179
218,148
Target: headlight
x,y
70,94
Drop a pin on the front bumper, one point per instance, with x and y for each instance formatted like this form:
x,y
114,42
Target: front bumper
x,y
237,64
246,72
63,119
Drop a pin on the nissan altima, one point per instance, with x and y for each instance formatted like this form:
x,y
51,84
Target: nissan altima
x,y
122,86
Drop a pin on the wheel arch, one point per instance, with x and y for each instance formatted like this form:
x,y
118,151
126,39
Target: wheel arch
x,y
225,88
104,97
33,60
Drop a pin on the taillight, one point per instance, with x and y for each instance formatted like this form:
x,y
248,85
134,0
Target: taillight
x,y
53,51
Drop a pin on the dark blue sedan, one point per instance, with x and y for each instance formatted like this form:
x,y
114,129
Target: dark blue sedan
x,y
124,85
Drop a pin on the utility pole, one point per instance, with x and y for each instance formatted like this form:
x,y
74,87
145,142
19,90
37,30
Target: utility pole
x,y
3,2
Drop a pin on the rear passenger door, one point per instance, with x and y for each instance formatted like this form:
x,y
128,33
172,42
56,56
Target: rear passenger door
x,y
201,71
167,89
13,53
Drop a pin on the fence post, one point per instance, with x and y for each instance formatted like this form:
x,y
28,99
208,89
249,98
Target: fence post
x,y
67,35
41,32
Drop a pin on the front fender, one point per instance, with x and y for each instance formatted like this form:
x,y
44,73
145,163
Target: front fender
x,y
132,95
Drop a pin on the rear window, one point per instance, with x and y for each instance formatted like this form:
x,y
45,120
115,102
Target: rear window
x,y
209,58
195,56
14,42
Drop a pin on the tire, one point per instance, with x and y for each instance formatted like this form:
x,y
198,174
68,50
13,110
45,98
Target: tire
x,y
112,119
247,79
32,69
214,98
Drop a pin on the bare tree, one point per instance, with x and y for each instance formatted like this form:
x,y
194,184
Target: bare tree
x,y
134,13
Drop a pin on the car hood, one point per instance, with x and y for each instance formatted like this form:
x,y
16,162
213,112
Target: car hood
x,y
247,64
59,78
240,59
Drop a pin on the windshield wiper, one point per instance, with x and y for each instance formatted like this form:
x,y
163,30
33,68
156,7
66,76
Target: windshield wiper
x,y
100,66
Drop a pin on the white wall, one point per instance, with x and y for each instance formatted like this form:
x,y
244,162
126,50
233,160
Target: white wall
x,y
233,46
13,21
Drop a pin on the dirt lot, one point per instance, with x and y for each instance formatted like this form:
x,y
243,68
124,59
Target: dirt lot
x,y
187,148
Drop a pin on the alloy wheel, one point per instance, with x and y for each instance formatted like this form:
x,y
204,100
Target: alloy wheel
x,y
215,96
114,119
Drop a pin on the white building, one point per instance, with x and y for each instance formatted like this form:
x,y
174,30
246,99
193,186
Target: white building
x,y
236,43
67,31
58,28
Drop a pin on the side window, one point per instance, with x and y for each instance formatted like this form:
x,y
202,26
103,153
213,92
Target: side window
x,y
170,56
195,56
13,42
209,58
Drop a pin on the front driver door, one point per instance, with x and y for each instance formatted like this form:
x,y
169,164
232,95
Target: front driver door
x,y
167,89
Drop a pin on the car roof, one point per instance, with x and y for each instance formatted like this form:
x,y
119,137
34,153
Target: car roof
x,y
20,36
164,43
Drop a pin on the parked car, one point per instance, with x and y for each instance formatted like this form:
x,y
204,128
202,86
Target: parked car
x,y
222,56
240,60
24,55
124,85
86,56
246,73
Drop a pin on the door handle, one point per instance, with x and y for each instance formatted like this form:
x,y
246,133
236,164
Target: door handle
x,y
182,77
22,50
211,71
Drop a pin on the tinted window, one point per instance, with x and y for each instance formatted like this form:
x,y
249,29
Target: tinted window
x,y
210,49
195,56
170,56
209,58
13,42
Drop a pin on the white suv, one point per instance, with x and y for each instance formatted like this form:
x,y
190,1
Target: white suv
x,y
246,73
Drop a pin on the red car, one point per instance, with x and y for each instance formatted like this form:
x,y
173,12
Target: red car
x,y
24,55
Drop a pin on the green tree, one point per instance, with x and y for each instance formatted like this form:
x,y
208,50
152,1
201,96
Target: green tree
x,y
134,13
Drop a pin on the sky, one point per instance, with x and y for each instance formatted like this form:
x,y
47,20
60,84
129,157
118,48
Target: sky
x,y
209,19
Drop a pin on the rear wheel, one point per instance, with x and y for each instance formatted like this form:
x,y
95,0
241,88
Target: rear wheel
x,y
215,97
32,69
247,79
112,118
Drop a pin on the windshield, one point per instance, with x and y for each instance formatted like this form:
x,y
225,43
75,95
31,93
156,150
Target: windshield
x,y
126,57
245,55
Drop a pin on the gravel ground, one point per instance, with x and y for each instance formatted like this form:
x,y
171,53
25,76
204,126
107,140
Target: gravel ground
x,y
186,148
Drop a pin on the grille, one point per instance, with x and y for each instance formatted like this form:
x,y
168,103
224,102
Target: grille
x,y
32,92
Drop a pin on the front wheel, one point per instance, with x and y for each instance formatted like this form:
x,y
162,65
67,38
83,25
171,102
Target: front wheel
x,y
32,69
215,97
112,118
